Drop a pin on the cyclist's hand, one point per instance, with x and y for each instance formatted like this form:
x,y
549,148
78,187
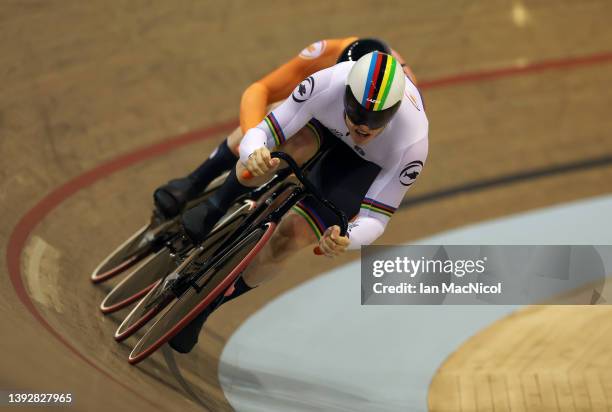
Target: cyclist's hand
x,y
260,162
331,243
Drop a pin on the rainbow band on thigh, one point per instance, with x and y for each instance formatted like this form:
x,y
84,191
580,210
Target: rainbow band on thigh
x,y
313,127
275,129
378,207
314,221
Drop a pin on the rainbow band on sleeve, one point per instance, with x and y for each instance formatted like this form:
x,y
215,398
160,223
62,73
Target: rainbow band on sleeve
x,y
378,84
378,207
275,129
316,223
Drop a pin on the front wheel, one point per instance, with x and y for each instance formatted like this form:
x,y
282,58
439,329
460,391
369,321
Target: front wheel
x,y
210,285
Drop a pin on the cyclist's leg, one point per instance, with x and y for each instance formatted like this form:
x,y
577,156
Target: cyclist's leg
x,y
199,220
292,235
171,198
222,159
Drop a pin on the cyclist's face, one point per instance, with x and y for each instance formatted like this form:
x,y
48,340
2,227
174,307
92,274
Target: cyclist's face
x,y
361,134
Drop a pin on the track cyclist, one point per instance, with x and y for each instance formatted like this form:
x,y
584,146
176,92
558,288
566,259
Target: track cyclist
x,y
171,198
372,115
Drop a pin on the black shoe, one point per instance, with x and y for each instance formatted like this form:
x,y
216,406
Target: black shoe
x,y
200,220
171,198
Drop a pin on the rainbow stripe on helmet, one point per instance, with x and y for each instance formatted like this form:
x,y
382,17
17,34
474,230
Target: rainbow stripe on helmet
x,y
380,78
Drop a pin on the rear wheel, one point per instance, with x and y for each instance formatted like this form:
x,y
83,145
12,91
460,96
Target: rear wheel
x,y
210,285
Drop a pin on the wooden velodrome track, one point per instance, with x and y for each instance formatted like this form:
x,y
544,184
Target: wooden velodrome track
x,y
93,92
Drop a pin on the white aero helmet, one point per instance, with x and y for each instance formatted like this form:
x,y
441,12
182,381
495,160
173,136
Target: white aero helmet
x,y
374,90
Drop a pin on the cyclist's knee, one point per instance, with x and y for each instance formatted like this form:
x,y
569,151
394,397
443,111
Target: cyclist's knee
x,y
277,248
293,234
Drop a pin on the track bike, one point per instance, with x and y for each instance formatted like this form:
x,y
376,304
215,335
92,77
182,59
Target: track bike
x,y
163,258
206,272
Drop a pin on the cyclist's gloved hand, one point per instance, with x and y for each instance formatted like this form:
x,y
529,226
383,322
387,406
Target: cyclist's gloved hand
x,y
260,162
331,243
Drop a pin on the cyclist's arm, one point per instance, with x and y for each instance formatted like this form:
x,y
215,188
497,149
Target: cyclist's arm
x,y
386,194
278,84
289,117
272,88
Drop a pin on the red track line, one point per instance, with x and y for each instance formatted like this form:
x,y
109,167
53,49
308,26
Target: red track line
x,y
34,216
517,70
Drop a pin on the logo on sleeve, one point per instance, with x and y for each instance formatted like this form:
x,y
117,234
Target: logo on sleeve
x,y
304,90
314,50
410,172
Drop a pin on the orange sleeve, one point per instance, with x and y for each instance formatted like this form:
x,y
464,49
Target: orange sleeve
x,y
278,84
253,106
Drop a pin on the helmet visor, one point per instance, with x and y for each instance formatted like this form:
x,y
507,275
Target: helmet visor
x,y
358,115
